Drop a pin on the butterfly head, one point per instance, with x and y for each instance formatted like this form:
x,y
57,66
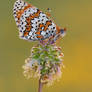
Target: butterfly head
x,y
63,32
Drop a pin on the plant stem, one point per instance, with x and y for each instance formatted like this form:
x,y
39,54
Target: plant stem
x,y
40,86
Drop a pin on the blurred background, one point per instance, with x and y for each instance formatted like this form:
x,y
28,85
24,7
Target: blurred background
x,y
76,16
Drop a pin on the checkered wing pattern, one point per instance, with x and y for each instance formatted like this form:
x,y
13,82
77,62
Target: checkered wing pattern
x,y
32,23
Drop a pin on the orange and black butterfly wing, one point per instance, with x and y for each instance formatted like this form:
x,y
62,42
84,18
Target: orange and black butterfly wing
x,y
32,23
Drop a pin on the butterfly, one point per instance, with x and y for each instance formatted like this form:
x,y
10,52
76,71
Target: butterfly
x,y
33,24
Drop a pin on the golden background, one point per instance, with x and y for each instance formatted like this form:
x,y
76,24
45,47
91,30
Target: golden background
x,y
76,16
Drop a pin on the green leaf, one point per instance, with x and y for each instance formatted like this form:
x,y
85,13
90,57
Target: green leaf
x,y
56,59
35,56
43,71
35,49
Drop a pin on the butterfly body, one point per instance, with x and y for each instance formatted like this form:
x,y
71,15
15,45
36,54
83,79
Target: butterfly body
x,y
32,23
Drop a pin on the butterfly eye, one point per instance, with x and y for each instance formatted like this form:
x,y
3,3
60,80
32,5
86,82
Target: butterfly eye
x,y
62,31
